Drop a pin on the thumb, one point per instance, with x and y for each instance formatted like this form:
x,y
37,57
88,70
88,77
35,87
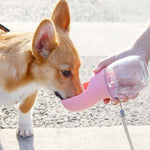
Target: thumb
x,y
104,63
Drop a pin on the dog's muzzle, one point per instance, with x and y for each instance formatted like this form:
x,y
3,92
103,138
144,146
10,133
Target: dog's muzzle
x,y
58,95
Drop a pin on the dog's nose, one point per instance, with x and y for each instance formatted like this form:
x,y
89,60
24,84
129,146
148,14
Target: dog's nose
x,y
58,95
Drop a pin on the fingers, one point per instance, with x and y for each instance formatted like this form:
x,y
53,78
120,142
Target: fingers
x,y
115,101
133,96
122,99
104,63
106,101
100,66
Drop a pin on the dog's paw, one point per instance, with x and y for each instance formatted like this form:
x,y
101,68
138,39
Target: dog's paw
x,y
25,125
25,131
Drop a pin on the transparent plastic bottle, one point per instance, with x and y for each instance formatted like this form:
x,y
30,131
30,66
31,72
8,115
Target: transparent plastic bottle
x,y
126,77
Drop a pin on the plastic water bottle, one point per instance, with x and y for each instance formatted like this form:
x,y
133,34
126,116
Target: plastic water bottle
x,y
126,77
122,79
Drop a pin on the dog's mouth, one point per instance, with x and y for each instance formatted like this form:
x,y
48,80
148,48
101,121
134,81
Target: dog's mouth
x,y
58,95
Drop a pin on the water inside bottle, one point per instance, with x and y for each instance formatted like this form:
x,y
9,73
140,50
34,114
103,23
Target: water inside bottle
x,y
126,77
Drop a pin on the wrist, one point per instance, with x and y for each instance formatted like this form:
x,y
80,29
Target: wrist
x,y
124,53
144,53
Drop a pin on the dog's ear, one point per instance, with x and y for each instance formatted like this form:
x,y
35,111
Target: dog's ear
x,y
61,15
44,40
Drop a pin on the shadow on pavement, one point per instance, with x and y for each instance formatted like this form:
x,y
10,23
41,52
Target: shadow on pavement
x,y
25,143
1,148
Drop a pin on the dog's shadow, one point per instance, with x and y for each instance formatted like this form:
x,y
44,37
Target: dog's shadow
x,y
1,148
25,143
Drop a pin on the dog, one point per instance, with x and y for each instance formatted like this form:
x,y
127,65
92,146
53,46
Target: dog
x,y
30,61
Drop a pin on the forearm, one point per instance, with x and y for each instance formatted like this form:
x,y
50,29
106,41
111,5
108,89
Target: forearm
x,y
142,45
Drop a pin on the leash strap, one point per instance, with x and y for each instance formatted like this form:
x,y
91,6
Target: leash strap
x,y
125,127
4,28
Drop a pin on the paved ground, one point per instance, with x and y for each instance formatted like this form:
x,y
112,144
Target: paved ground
x,y
91,39
109,37
81,10
94,39
105,138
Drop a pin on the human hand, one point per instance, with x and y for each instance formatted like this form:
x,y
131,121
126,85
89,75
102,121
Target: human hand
x,y
123,80
141,47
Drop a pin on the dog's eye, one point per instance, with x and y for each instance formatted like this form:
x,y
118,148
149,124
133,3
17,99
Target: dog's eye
x,y
67,73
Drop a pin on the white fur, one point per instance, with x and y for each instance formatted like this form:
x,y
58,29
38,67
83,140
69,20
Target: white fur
x,y
25,125
8,99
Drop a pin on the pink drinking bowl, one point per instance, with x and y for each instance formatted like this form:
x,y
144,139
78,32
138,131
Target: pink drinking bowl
x,y
124,77
95,90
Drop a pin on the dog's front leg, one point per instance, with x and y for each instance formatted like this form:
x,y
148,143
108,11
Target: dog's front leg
x,y
25,125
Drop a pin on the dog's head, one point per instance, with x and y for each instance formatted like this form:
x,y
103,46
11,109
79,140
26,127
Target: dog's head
x,y
56,59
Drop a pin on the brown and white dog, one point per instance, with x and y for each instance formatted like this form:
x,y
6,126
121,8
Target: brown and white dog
x,y
30,61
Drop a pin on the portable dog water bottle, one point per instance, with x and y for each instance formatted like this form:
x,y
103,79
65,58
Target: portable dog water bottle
x,y
125,77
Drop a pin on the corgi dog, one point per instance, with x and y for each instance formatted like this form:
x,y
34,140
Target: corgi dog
x,y
30,61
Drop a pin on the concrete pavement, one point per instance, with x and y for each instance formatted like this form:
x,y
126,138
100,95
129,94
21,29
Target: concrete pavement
x,y
94,39
91,39
104,138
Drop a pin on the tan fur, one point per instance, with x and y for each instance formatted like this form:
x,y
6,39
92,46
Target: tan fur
x,y
62,20
1,32
28,103
15,60
23,61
